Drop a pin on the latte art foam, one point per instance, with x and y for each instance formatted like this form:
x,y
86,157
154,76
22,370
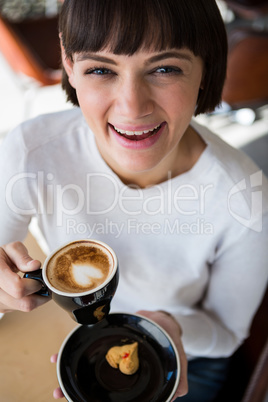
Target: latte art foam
x,y
84,275
79,267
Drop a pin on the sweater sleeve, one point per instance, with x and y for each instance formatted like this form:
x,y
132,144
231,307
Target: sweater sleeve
x,y
237,284
16,208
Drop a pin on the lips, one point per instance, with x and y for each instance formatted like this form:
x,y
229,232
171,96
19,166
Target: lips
x,y
137,137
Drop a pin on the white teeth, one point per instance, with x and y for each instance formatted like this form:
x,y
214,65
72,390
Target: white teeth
x,y
135,132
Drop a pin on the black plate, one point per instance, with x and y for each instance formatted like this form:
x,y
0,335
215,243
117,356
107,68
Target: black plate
x,y
85,375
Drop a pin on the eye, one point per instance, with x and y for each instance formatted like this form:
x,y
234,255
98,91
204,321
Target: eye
x,y
164,70
99,71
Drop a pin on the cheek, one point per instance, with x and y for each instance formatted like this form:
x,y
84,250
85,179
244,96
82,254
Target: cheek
x,y
92,103
182,95
180,105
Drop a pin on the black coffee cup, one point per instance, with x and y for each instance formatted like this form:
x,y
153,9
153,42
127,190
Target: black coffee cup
x,y
86,306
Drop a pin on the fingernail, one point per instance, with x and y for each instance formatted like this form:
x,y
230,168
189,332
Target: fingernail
x,y
32,262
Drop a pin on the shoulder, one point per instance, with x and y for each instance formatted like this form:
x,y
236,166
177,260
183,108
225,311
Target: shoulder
x,y
45,142
48,128
233,161
236,177
44,130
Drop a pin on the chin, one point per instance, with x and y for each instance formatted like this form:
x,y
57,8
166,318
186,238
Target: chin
x,y
134,167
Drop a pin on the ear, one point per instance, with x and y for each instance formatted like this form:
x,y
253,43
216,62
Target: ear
x,y
67,64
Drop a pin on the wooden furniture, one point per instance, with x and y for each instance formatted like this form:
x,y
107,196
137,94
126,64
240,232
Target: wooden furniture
x,y
248,378
32,48
29,339
247,78
27,342
257,388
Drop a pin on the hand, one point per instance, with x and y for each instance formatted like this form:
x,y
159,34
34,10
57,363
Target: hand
x,y
16,293
170,325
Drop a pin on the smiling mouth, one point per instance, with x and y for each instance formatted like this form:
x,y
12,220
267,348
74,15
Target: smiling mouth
x,y
138,135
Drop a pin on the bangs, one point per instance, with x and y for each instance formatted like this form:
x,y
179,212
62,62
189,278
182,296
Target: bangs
x,y
126,26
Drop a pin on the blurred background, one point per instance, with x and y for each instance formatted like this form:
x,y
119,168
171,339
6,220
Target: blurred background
x,y
30,85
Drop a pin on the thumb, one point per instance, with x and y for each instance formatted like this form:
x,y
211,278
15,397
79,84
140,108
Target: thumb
x,y
18,254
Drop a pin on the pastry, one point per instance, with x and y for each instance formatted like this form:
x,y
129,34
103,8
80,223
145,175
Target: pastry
x,y
124,357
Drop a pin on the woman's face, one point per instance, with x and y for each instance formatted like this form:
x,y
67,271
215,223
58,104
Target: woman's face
x,y
138,107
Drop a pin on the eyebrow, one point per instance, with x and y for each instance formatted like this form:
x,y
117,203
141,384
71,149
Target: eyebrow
x,y
169,55
93,56
153,59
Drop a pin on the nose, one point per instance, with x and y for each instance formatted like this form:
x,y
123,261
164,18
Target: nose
x,y
134,100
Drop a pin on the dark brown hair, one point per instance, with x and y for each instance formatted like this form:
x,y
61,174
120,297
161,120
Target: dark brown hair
x,y
126,26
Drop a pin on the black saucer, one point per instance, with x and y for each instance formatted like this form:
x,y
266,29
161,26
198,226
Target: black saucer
x,y
84,374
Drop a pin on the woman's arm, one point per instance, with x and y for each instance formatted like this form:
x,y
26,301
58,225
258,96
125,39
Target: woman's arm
x,y
16,211
238,279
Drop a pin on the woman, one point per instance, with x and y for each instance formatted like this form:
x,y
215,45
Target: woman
x,y
130,167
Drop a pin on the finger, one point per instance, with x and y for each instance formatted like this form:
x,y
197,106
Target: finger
x,y
182,388
145,313
183,382
16,286
183,385
26,304
54,358
18,254
10,282
57,393
173,328
4,309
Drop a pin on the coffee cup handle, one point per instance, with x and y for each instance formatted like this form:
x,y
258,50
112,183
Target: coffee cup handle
x,y
37,275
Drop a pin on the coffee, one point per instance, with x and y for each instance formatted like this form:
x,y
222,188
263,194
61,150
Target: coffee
x,y
79,267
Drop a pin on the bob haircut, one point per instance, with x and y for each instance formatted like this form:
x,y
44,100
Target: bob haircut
x,y
124,27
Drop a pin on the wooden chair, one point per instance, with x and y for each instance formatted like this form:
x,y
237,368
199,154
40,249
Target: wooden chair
x,y
247,78
257,388
32,48
248,377
246,84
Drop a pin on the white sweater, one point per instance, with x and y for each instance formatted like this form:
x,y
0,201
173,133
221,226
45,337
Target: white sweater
x,y
195,245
